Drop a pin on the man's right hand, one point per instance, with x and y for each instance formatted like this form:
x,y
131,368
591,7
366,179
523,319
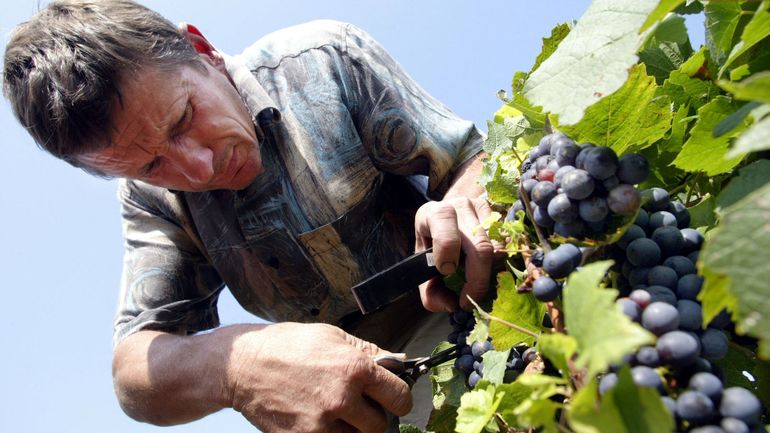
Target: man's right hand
x,y
285,377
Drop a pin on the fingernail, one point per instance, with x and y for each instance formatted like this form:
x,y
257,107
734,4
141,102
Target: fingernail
x,y
448,268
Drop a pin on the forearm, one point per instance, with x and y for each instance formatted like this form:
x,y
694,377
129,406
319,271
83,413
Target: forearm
x,y
167,379
465,182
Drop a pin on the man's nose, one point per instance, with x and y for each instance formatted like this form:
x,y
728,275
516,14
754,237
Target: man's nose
x,y
193,160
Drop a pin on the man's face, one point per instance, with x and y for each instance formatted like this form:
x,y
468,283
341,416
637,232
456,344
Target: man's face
x,y
186,130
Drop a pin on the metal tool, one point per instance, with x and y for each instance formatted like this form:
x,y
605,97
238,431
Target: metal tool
x,y
390,284
411,369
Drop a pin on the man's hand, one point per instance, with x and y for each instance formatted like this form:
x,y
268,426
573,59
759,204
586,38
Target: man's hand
x,y
313,378
283,378
452,225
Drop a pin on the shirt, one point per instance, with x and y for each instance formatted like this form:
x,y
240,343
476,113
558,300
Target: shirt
x,y
342,128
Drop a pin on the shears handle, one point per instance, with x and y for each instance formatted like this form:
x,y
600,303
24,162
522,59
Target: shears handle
x,y
395,365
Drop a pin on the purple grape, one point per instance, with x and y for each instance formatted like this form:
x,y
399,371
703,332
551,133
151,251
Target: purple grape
x,y
546,289
557,177
601,162
692,240
681,213
740,403
648,356
540,214
633,168
607,382
630,308
633,232
593,209
647,377
660,318
708,384
577,184
575,229
624,200
690,315
662,276
689,286
561,209
658,199
680,264
566,154
662,219
543,192
669,239
714,344
643,252
678,348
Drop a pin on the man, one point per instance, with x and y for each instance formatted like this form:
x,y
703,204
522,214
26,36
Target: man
x,y
285,174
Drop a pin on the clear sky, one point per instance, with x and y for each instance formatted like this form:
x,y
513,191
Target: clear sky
x,y
60,241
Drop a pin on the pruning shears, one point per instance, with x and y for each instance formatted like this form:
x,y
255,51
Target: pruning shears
x,y
411,369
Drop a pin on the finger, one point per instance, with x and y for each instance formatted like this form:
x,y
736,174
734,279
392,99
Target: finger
x,y
478,249
438,225
365,415
343,427
389,391
436,297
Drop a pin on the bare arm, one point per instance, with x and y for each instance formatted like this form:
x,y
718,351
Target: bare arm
x,y
262,371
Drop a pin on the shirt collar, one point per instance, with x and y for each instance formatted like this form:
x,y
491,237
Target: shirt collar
x,y
260,105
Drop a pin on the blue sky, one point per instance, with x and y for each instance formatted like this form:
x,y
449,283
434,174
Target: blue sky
x,y
60,241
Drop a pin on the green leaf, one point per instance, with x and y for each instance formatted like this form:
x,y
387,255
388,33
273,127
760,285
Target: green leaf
x,y
722,20
704,152
480,331
666,48
660,12
630,119
756,138
592,61
558,348
756,30
497,140
408,428
539,413
734,120
494,365
686,90
715,295
550,44
521,309
737,250
703,213
754,88
476,409
515,394
749,179
603,333
625,408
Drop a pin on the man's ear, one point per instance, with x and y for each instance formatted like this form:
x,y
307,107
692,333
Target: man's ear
x,y
204,48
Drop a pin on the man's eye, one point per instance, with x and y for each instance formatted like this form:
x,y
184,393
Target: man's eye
x,y
149,169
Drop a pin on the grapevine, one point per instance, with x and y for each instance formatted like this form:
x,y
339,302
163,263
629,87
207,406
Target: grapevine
x,y
631,183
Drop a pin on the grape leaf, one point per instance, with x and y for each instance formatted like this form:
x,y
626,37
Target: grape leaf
x,y
603,333
592,61
734,120
494,365
625,408
540,412
497,139
703,213
666,48
558,348
722,22
550,44
737,250
660,12
749,179
515,394
756,30
704,152
476,409
630,119
753,88
408,428
756,138
521,309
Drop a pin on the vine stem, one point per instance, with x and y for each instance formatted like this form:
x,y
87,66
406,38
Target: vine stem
x,y
488,316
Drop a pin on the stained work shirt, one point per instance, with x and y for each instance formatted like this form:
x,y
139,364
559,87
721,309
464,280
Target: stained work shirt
x,y
340,124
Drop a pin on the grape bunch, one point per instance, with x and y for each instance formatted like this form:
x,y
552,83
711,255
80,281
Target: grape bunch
x,y
575,190
470,361
657,257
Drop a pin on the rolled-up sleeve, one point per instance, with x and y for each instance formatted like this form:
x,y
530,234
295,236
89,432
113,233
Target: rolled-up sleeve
x,y
405,130
167,284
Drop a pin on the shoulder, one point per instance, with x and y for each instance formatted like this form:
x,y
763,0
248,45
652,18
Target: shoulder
x,y
293,41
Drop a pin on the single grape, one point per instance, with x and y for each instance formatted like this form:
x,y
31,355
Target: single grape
x,y
693,256
557,177
607,382
630,308
690,315
611,183
643,252
677,348
478,366
584,149
662,294
662,219
562,210
679,210
537,258
543,192
647,377
478,348
593,209
545,143
633,168
546,173
641,297
529,355
577,184
692,240
658,199
668,238
546,289
695,407
721,320
566,154
575,229
734,425
601,162
638,276
642,219
714,344
542,162
473,378
648,356
670,404
464,363
707,429
689,286
681,265
624,199
558,142
660,318
527,185
560,262
662,276
708,384
541,217
740,403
